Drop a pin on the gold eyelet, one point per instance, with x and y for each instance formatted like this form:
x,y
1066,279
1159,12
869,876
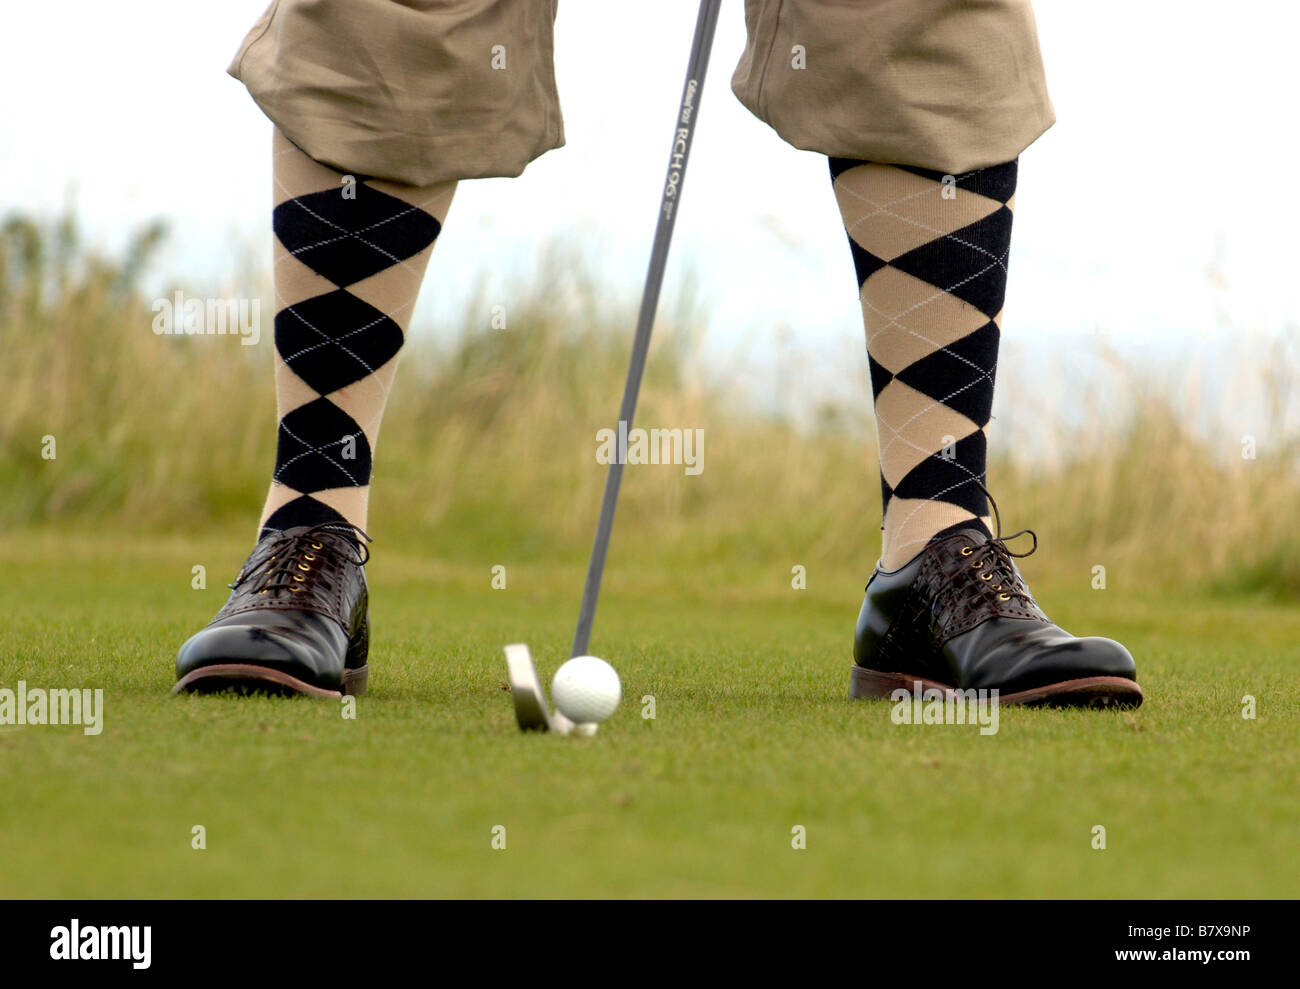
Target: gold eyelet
x,y
978,565
987,576
316,546
966,551
262,591
294,588
304,569
308,556
299,579
1004,597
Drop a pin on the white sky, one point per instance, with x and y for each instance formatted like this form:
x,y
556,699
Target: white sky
x,y
1175,144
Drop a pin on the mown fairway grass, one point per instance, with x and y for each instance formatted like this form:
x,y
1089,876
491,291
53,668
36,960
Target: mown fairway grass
x,y
753,736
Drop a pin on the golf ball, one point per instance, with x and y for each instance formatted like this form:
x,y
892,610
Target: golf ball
x,y
586,690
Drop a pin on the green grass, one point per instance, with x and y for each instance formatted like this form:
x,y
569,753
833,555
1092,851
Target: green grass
x,y
753,736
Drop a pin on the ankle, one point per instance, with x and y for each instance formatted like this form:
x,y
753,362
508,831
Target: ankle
x,y
901,545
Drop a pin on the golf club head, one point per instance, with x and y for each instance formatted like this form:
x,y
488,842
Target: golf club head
x,y
531,708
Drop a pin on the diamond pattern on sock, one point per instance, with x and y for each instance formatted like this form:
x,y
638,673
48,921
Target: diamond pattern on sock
x,y
907,420
908,319
947,478
931,260
350,256
959,375
314,443
970,271
346,240
301,510
333,340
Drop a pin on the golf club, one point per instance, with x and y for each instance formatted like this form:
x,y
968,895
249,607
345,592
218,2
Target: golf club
x,y
531,708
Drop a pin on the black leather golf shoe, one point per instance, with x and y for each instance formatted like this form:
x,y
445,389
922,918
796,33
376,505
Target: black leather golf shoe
x,y
295,622
959,616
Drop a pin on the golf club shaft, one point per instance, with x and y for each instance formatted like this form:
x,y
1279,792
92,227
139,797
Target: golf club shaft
x,y
683,134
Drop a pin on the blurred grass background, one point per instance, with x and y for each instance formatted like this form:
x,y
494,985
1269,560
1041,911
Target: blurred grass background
x,y
487,450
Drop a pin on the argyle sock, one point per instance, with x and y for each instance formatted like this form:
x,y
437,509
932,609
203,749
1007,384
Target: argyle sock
x,y
350,253
931,257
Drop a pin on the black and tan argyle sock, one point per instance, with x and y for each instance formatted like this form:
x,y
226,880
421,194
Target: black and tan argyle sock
x,y
931,257
350,253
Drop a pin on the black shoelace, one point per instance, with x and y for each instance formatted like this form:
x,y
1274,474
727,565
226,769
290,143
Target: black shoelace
x,y
298,561
994,559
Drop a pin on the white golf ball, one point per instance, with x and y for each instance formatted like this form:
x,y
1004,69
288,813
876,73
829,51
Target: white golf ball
x,y
586,690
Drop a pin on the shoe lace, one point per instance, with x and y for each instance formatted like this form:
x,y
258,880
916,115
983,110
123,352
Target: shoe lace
x,y
993,559
300,561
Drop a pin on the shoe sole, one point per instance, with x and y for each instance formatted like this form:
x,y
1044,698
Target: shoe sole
x,y
247,678
1096,692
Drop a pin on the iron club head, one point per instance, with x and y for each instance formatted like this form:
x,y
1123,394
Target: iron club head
x,y
532,710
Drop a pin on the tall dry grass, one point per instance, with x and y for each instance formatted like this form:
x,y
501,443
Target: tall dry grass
x,y
489,440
